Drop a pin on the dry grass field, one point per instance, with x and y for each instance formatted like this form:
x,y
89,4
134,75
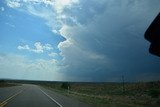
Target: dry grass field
x,y
6,84
140,94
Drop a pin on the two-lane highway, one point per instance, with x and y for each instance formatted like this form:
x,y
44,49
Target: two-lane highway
x,y
34,96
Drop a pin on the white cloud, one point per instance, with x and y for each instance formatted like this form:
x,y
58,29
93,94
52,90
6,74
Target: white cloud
x,y
52,54
20,67
59,5
55,31
13,4
65,44
48,47
25,47
52,16
39,48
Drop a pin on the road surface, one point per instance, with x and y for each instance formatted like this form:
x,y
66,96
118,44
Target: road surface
x,y
28,95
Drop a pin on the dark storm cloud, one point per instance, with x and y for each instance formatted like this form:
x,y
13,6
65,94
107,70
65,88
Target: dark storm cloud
x,y
111,43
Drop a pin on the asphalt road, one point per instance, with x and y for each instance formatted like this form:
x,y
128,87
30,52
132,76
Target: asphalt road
x,y
34,96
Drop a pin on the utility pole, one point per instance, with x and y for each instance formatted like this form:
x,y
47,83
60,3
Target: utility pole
x,y
123,83
68,89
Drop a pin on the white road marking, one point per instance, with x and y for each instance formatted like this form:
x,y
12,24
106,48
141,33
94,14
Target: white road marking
x,y
51,98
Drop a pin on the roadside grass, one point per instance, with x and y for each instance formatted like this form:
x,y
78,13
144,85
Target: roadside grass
x,y
139,94
6,84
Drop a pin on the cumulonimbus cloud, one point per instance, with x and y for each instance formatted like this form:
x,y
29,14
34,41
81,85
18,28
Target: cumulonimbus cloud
x,y
104,38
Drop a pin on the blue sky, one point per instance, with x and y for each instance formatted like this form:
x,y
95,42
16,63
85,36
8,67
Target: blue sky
x,y
77,40
20,28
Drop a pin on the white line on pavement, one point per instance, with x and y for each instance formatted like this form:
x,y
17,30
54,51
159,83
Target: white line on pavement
x,y
51,98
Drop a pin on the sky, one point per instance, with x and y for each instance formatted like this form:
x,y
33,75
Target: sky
x,y
77,40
